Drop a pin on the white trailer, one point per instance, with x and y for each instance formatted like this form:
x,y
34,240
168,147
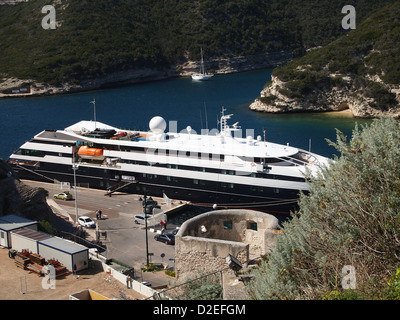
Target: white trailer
x,y
11,223
68,253
27,239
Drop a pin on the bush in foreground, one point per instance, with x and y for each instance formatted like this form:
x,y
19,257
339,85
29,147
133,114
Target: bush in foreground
x,y
349,218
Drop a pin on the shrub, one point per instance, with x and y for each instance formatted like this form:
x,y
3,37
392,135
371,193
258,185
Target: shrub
x,y
170,273
349,217
45,226
268,99
151,268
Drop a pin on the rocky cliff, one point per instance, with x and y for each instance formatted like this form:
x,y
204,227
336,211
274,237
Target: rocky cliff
x,y
277,98
359,71
19,199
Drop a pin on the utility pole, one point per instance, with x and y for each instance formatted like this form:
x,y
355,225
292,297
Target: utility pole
x,y
145,225
76,193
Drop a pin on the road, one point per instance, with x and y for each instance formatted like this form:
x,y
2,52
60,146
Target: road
x,y
125,241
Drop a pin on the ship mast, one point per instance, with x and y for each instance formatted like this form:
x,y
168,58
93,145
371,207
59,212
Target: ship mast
x,y
94,112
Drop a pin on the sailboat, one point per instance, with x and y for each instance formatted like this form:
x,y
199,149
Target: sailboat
x,y
202,75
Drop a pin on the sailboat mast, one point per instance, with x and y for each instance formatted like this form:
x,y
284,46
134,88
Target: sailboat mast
x,y
202,71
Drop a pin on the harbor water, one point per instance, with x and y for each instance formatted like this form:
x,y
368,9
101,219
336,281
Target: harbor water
x,y
189,103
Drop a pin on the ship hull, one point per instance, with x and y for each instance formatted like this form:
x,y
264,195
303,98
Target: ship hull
x,y
206,193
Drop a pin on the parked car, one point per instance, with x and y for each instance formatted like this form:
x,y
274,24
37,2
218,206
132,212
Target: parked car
x,y
148,284
150,202
167,238
139,218
63,196
86,222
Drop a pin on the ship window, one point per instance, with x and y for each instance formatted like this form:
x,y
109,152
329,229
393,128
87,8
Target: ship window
x,y
276,190
33,153
223,185
231,185
168,178
195,181
227,225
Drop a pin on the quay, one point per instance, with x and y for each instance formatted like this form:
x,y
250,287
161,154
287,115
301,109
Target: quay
x,y
122,238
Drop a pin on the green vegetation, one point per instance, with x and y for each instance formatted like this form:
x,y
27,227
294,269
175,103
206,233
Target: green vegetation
x,y
96,38
152,267
45,226
351,217
370,50
170,273
206,287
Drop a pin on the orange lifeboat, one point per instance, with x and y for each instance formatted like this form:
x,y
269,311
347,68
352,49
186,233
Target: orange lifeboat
x,y
86,152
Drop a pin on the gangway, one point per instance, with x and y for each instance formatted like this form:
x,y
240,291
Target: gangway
x,y
118,186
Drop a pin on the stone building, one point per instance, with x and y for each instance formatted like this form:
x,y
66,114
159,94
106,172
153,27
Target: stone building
x,y
204,242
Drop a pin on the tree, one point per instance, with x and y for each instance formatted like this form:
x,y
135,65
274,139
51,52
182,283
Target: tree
x,y
350,217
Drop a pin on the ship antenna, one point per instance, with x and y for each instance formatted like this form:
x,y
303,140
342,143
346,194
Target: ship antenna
x,y
205,111
94,112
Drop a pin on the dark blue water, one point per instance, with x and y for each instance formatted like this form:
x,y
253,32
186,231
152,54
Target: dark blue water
x,y
179,99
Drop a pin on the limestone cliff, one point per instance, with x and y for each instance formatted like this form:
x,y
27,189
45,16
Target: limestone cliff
x,y
359,71
276,98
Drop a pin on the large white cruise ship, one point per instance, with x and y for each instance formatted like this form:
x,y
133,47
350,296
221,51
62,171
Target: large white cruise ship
x,y
211,169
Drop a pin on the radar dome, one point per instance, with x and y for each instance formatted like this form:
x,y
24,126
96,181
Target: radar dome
x,y
157,125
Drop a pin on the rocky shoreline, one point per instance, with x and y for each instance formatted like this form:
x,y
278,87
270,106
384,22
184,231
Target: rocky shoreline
x,y
272,100
11,87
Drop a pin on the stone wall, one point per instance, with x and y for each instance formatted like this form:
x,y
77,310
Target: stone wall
x,y
197,256
203,243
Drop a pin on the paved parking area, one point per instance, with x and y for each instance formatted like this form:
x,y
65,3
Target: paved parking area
x,y
125,241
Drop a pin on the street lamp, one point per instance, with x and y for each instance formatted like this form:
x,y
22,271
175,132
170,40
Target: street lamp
x,y
145,226
76,193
